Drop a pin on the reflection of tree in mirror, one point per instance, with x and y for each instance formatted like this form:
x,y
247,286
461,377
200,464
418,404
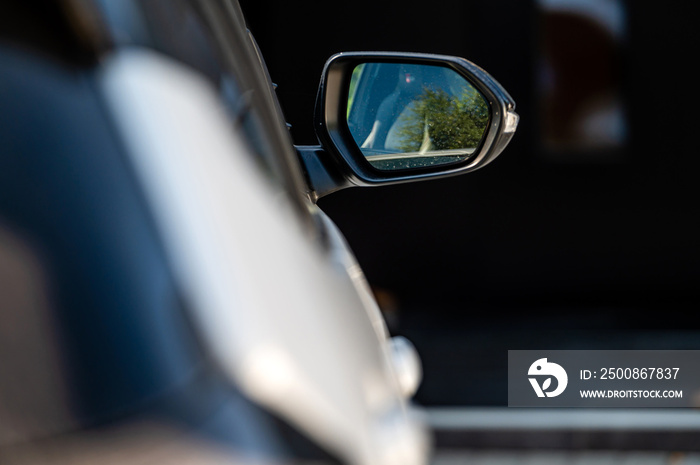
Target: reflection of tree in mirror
x,y
451,123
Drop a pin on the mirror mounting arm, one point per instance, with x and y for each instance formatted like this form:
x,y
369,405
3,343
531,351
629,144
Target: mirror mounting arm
x,y
322,172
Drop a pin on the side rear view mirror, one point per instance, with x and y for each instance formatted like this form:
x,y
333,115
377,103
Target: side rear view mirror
x,y
385,118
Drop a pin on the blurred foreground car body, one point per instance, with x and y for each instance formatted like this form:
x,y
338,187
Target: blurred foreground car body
x,y
169,291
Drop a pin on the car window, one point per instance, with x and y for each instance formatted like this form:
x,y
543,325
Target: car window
x,y
207,36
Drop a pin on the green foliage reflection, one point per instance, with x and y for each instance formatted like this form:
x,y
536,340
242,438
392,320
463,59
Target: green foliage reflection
x,y
443,121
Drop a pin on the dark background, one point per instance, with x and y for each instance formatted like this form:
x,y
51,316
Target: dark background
x,y
558,244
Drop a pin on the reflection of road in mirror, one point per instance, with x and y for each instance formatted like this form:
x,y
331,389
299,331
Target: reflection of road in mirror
x,y
418,115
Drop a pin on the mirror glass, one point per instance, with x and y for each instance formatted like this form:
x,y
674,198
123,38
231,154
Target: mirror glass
x,y
405,116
